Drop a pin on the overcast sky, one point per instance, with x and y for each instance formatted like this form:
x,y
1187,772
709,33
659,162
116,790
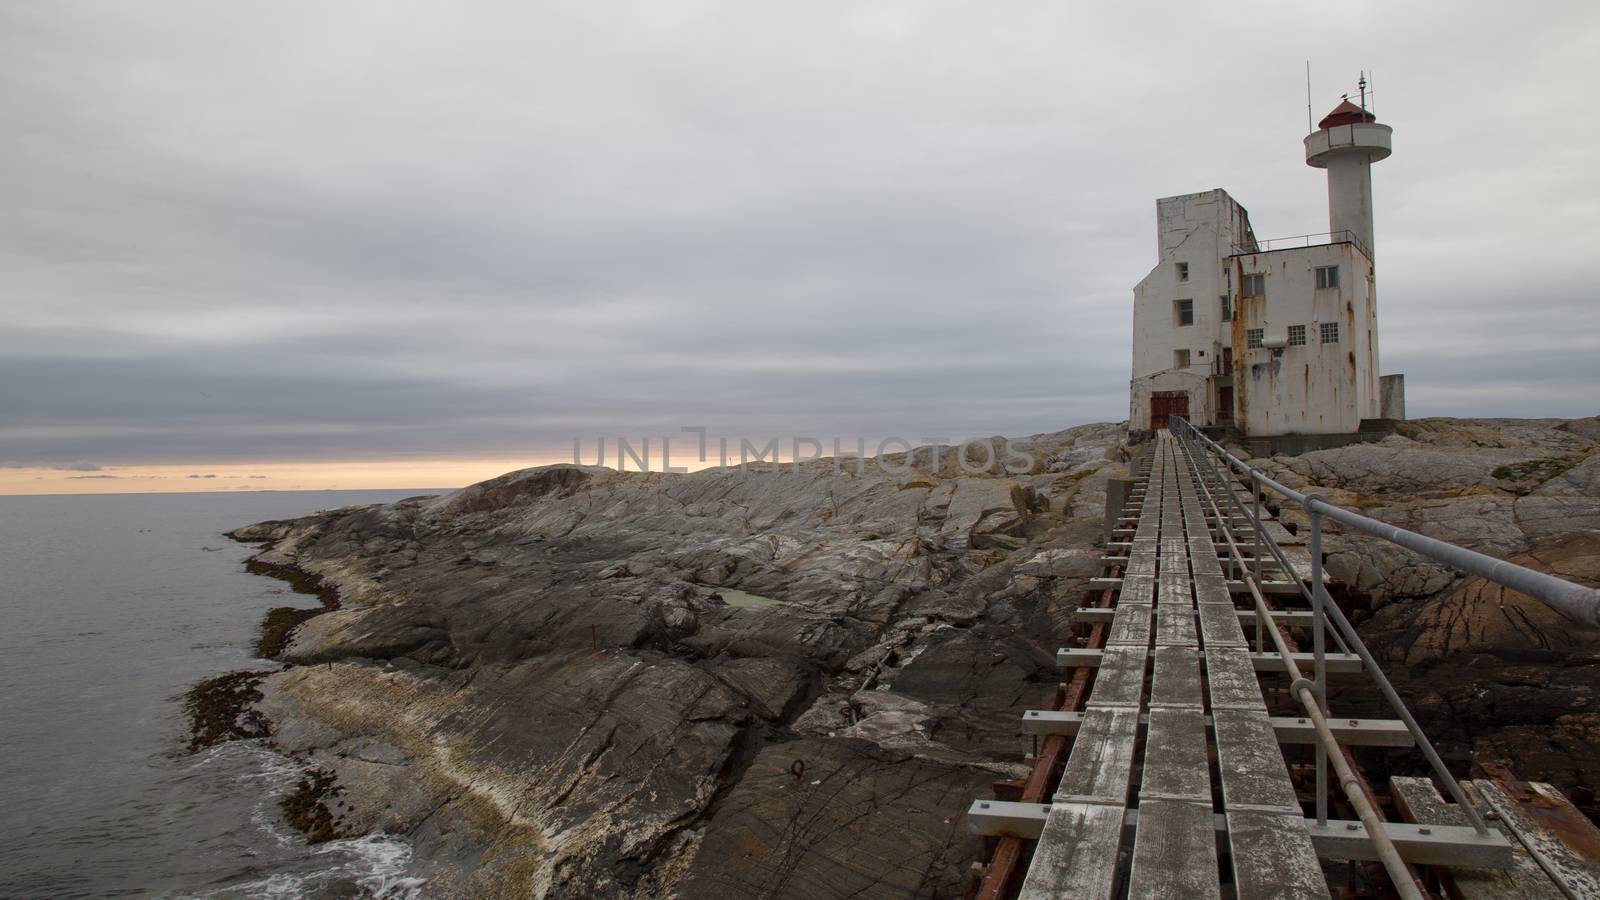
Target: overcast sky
x,y
329,231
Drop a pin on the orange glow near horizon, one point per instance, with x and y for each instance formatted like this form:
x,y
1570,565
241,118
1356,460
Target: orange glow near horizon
x,y
321,475
266,476
332,475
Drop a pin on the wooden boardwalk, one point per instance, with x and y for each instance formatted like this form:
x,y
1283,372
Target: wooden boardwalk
x,y
1173,613
1176,783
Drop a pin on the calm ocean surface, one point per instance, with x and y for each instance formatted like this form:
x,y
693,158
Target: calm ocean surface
x,y
112,607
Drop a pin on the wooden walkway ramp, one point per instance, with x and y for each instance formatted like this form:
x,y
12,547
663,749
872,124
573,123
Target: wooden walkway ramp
x,y
1176,783
1174,611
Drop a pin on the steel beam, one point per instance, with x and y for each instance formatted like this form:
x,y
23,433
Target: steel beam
x,y
1288,729
1337,663
1429,845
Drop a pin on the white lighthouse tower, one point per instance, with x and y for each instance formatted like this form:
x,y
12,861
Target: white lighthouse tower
x,y
1269,338
1346,143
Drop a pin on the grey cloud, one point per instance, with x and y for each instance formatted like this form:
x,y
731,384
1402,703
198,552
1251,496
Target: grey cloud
x,y
299,232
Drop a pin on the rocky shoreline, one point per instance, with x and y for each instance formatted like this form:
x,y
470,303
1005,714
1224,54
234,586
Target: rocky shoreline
x,y
538,681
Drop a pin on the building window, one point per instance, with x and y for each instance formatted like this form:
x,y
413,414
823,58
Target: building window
x,y
1330,332
1297,335
1183,271
1227,308
1253,286
1327,276
1183,312
1180,359
1252,338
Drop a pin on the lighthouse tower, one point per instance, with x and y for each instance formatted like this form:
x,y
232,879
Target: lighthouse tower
x,y
1346,143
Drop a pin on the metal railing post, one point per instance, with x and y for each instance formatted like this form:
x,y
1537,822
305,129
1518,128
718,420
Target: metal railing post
x,y
1578,602
1319,648
1260,534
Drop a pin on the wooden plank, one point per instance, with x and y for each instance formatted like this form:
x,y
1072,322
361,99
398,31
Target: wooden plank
x,y
1177,681
1253,773
1174,852
1231,678
1299,559
1176,628
1280,535
1219,625
1176,766
1137,589
1173,586
1273,856
1130,626
1100,768
1120,679
1077,853
1141,563
1203,559
1212,589
1578,873
1420,802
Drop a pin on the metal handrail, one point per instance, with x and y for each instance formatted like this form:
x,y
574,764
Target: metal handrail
x,y
1576,602
1325,610
1312,692
1342,236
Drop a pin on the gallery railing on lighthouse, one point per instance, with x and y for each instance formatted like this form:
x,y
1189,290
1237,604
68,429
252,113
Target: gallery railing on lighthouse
x,y
1343,236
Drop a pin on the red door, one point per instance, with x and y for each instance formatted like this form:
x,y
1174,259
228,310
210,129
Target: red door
x,y
1165,404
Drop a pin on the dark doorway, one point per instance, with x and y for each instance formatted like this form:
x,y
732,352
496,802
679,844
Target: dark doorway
x,y
1164,405
1225,404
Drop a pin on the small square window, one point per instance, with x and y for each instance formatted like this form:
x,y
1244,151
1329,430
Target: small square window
x,y
1297,335
1183,271
1253,286
1327,276
1180,359
1330,332
1252,338
1183,312
1227,308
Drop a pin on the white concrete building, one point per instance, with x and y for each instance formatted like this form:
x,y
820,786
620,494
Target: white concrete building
x,y
1272,340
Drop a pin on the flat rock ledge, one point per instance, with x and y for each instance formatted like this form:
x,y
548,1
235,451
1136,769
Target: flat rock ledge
x,y
537,680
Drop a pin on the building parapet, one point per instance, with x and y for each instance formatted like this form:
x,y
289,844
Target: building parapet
x,y
1298,241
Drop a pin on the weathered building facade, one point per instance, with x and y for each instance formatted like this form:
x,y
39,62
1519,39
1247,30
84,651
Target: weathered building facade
x,y
1272,340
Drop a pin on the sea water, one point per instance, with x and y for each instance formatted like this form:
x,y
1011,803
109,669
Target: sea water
x,y
111,608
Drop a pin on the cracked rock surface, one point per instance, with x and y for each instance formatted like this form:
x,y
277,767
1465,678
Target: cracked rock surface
x,y
539,681
569,682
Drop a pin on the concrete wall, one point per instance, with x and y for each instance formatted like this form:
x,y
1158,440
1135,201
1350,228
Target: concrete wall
x,y
1201,231
1392,396
1316,388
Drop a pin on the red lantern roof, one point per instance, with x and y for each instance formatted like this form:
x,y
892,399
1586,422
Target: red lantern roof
x,y
1346,113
